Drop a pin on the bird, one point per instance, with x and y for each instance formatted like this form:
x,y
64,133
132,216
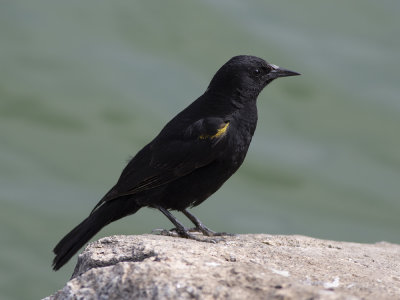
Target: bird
x,y
191,157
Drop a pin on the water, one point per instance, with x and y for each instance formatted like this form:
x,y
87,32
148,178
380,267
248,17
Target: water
x,y
85,85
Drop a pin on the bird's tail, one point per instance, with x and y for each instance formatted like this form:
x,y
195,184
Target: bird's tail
x,y
81,234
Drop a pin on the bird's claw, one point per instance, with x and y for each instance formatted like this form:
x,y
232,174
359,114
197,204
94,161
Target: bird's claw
x,y
208,232
165,232
174,232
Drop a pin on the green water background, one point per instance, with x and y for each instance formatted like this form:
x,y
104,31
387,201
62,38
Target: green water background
x,y
85,84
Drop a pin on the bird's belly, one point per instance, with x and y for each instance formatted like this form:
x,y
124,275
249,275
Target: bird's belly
x,y
194,188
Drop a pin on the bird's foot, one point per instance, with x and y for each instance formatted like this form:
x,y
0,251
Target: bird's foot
x,y
221,234
208,232
183,233
165,232
200,227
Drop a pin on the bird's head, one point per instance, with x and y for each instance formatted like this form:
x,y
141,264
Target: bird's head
x,y
246,75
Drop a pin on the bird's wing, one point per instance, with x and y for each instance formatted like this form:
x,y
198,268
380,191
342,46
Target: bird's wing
x,y
170,156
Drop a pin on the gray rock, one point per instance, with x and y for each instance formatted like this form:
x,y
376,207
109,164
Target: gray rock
x,y
252,266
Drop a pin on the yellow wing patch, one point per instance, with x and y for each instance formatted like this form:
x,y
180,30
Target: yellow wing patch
x,y
220,132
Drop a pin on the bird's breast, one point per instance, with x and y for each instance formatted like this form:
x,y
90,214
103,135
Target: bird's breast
x,y
238,137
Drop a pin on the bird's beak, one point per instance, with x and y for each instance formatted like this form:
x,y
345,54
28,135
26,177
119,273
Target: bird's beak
x,y
281,72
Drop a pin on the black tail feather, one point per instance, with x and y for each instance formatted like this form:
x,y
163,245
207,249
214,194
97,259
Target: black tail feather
x,y
81,234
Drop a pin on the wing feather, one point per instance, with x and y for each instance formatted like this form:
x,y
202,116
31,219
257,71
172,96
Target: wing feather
x,y
170,156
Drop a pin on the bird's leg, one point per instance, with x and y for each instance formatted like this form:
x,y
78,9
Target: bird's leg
x,y
201,227
179,227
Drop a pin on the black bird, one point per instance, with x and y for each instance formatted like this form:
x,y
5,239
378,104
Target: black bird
x,y
190,159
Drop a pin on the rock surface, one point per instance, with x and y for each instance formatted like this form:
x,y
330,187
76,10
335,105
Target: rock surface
x,y
253,266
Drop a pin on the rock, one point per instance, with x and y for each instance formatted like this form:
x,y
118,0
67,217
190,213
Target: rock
x,y
252,266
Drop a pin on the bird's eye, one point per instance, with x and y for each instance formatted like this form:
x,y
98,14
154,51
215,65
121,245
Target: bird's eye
x,y
256,72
